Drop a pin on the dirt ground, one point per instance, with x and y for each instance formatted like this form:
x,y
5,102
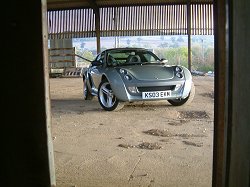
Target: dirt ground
x,y
146,144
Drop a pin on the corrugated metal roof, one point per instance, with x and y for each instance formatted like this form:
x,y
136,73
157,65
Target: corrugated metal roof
x,y
202,22
144,20
101,3
76,23
131,21
66,4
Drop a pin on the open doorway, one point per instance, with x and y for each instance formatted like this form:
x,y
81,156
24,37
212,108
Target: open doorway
x,y
145,143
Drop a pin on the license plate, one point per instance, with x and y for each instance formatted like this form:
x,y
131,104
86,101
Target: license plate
x,y
156,95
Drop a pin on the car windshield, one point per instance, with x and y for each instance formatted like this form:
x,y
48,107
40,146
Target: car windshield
x,y
130,57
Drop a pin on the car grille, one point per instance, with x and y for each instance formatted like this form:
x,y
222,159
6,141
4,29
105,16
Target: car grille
x,y
155,88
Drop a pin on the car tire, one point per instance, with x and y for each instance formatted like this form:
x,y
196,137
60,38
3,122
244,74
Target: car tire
x,y
107,99
186,101
86,93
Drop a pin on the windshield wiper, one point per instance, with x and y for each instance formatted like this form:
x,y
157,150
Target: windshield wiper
x,y
131,63
154,63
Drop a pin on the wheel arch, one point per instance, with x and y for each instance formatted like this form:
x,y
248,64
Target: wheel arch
x,y
104,77
117,84
188,82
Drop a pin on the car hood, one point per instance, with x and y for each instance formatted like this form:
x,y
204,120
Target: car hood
x,y
150,72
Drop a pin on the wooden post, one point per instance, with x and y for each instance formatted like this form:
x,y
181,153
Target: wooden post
x,y
189,34
97,28
221,92
27,150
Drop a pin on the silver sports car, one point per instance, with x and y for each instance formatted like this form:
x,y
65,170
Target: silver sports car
x,y
121,75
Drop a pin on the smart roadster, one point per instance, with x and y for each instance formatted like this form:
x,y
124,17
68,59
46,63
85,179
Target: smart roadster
x,y
122,75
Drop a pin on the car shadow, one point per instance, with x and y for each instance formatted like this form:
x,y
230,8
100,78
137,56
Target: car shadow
x,y
80,106
59,106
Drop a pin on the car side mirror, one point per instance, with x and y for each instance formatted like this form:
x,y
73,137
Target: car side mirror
x,y
96,63
164,60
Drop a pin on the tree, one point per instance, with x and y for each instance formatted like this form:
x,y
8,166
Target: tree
x,y
85,54
128,42
173,39
164,45
174,55
180,39
203,58
83,44
175,45
139,39
88,54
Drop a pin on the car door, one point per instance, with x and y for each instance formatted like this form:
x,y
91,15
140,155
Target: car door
x,y
96,70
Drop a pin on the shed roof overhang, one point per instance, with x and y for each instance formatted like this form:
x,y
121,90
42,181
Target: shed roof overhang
x,y
68,4
88,18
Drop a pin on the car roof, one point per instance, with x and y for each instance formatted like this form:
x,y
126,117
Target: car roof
x,y
126,48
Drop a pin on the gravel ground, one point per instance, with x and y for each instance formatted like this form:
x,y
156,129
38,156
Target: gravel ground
x,y
147,144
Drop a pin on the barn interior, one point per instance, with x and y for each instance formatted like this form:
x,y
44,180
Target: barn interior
x,y
27,146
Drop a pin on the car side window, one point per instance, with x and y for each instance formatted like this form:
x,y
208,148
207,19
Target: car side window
x,y
149,57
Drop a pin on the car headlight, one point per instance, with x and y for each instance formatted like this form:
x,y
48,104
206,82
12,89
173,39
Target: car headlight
x,y
178,69
127,77
179,72
123,71
179,75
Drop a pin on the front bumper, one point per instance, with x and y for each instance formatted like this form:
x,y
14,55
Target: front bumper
x,y
181,92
